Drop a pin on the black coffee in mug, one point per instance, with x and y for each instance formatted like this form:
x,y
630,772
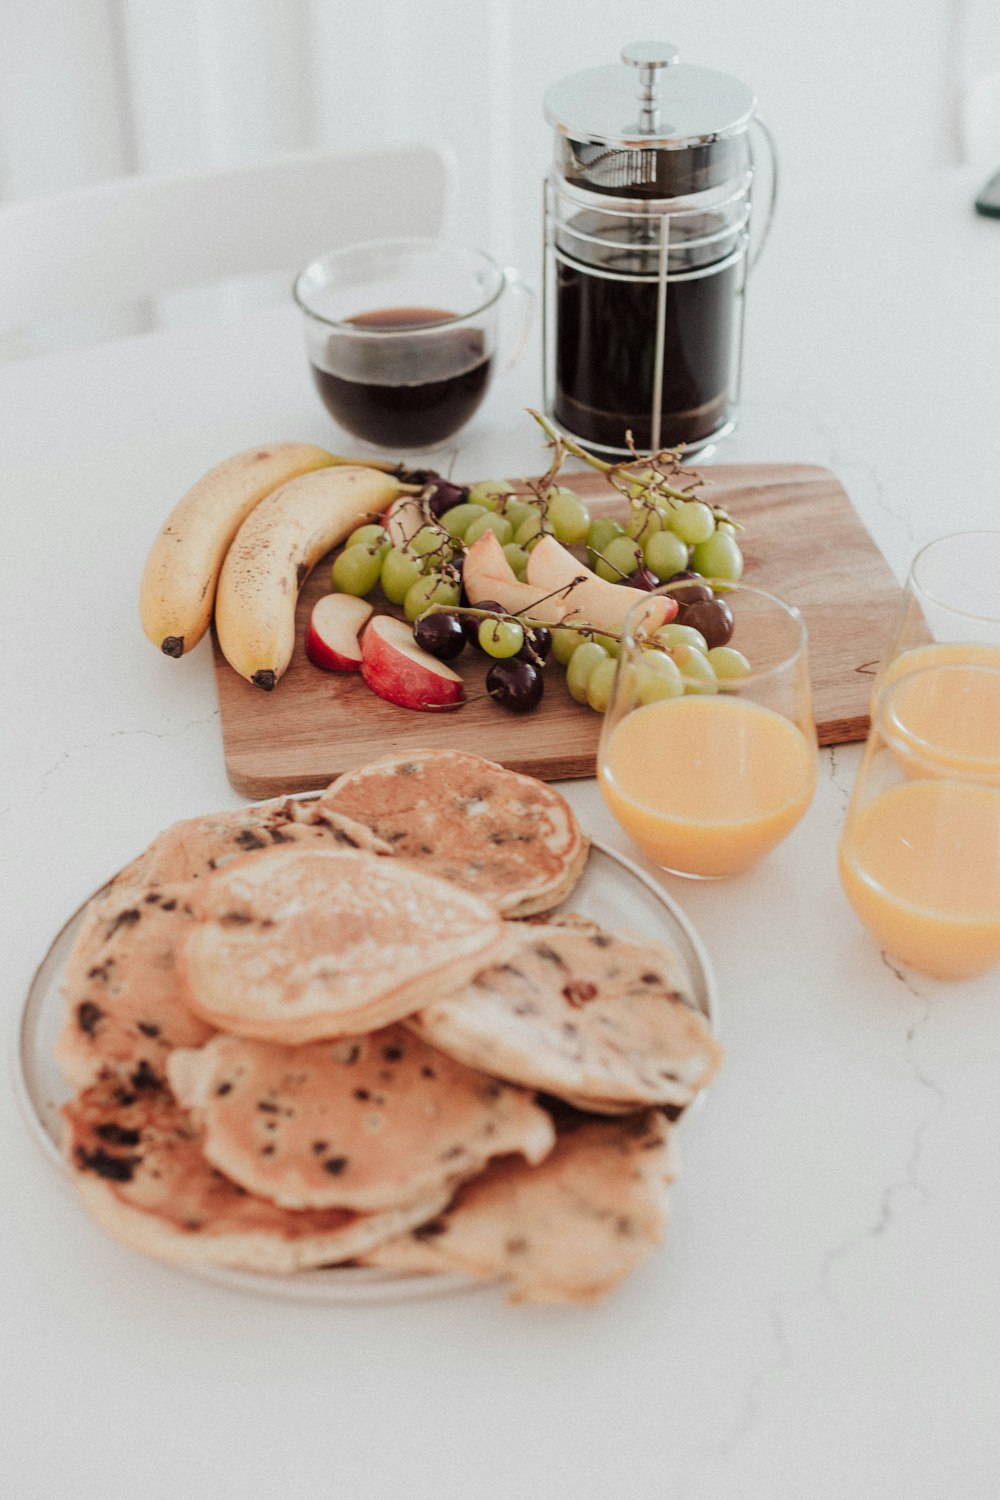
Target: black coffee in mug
x,y
410,383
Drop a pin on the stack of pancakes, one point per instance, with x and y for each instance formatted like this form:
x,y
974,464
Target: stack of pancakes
x,y
316,1032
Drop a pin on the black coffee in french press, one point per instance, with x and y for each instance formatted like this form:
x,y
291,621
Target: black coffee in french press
x,y
647,235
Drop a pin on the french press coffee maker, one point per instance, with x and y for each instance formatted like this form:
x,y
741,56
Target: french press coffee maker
x,y
648,209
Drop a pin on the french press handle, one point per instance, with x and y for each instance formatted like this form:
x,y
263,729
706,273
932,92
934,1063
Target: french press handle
x,y
772,155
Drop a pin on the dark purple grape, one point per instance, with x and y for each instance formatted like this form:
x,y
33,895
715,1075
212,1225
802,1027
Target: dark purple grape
x,y
713,618
642,578
441,635
515,684
695,592
537,644
442,495
471,623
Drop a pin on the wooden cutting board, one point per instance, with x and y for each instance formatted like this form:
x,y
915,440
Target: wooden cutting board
x,y
803,541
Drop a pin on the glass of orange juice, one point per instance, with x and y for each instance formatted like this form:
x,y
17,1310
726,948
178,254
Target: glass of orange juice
x,y
920,852
950,609
707,758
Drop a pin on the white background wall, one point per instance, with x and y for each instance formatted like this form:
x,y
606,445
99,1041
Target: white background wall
x,y
857,92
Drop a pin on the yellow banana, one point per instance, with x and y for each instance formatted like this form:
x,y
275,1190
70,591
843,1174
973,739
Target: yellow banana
x,y
273,553
182,570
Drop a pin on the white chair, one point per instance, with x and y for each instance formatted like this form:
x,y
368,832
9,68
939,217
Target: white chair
x,y
119,242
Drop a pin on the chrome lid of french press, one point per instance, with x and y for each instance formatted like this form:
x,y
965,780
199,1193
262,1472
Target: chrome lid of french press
x,y
649,126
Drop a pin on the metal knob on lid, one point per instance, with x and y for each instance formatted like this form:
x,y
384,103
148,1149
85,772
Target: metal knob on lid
x,y
649,58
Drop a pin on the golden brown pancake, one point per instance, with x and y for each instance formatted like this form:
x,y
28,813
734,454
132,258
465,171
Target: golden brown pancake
x,y
369,1123
569,1230
508,838
124,1001
301,944
603,1021
137,1162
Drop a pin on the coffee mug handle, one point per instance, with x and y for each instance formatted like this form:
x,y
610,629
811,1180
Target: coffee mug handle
x,y
514,284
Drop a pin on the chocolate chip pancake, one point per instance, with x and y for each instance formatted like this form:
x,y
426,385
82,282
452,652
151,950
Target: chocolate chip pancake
x,y
124,1002
569,1230
194,847
600,1020
136,1159
301,944
369,1123
510,839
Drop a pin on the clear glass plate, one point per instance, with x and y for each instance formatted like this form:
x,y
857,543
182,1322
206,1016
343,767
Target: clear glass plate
x,y
612,891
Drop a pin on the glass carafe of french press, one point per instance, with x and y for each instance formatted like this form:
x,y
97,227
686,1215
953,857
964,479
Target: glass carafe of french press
x,y
648,209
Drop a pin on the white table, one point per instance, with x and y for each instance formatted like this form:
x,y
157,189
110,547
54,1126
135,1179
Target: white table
x,y
823,1319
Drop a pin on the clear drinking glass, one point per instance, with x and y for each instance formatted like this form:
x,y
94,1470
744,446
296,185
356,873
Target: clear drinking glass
x,y
920,852
950,609
403,337
706,770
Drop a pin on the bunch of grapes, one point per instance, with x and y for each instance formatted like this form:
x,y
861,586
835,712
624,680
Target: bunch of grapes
x,y
669,536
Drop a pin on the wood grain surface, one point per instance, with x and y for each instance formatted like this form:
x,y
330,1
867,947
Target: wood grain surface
x,y
803,541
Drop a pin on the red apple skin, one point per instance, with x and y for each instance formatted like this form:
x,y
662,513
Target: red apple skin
x,y
332,634
322,655
410,678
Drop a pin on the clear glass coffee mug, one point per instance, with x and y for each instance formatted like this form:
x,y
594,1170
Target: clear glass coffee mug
x,y
950,609
404,337
708,761
919,856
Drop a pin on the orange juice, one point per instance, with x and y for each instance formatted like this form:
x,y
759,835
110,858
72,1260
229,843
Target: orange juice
x,y
920,864
707,785
946,722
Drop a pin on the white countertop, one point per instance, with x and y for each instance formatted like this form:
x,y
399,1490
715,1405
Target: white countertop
x,y
823,1320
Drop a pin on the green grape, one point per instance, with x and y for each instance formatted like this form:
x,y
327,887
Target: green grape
x,y
457,520
693,522
669,636
489,492
619,557
696,669
435,588
356,570
501,638
728,665
430,539
719,557
601,532
568,516
599,685
581,664
611,646
499,525
725,528
665,554
640,481
657,676
369,536
564,643
400,570
517,511
517,557
531,529
644,521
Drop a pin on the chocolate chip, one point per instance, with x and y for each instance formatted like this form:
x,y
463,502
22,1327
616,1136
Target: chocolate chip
x,y
123,919
224,1088
247,839
87,1016
335,1165
117,1135
148,1028
319,1147
579,991
362,1094
112,1168
392,1054
144,1079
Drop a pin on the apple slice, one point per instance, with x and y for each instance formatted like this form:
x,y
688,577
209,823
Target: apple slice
x,y
334,626
486,574
593,601
395,668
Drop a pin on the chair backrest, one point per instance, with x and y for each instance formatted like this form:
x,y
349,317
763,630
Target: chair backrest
x,y
120,241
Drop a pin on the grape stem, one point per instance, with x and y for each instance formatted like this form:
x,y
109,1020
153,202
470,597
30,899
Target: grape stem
x,y
613,471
